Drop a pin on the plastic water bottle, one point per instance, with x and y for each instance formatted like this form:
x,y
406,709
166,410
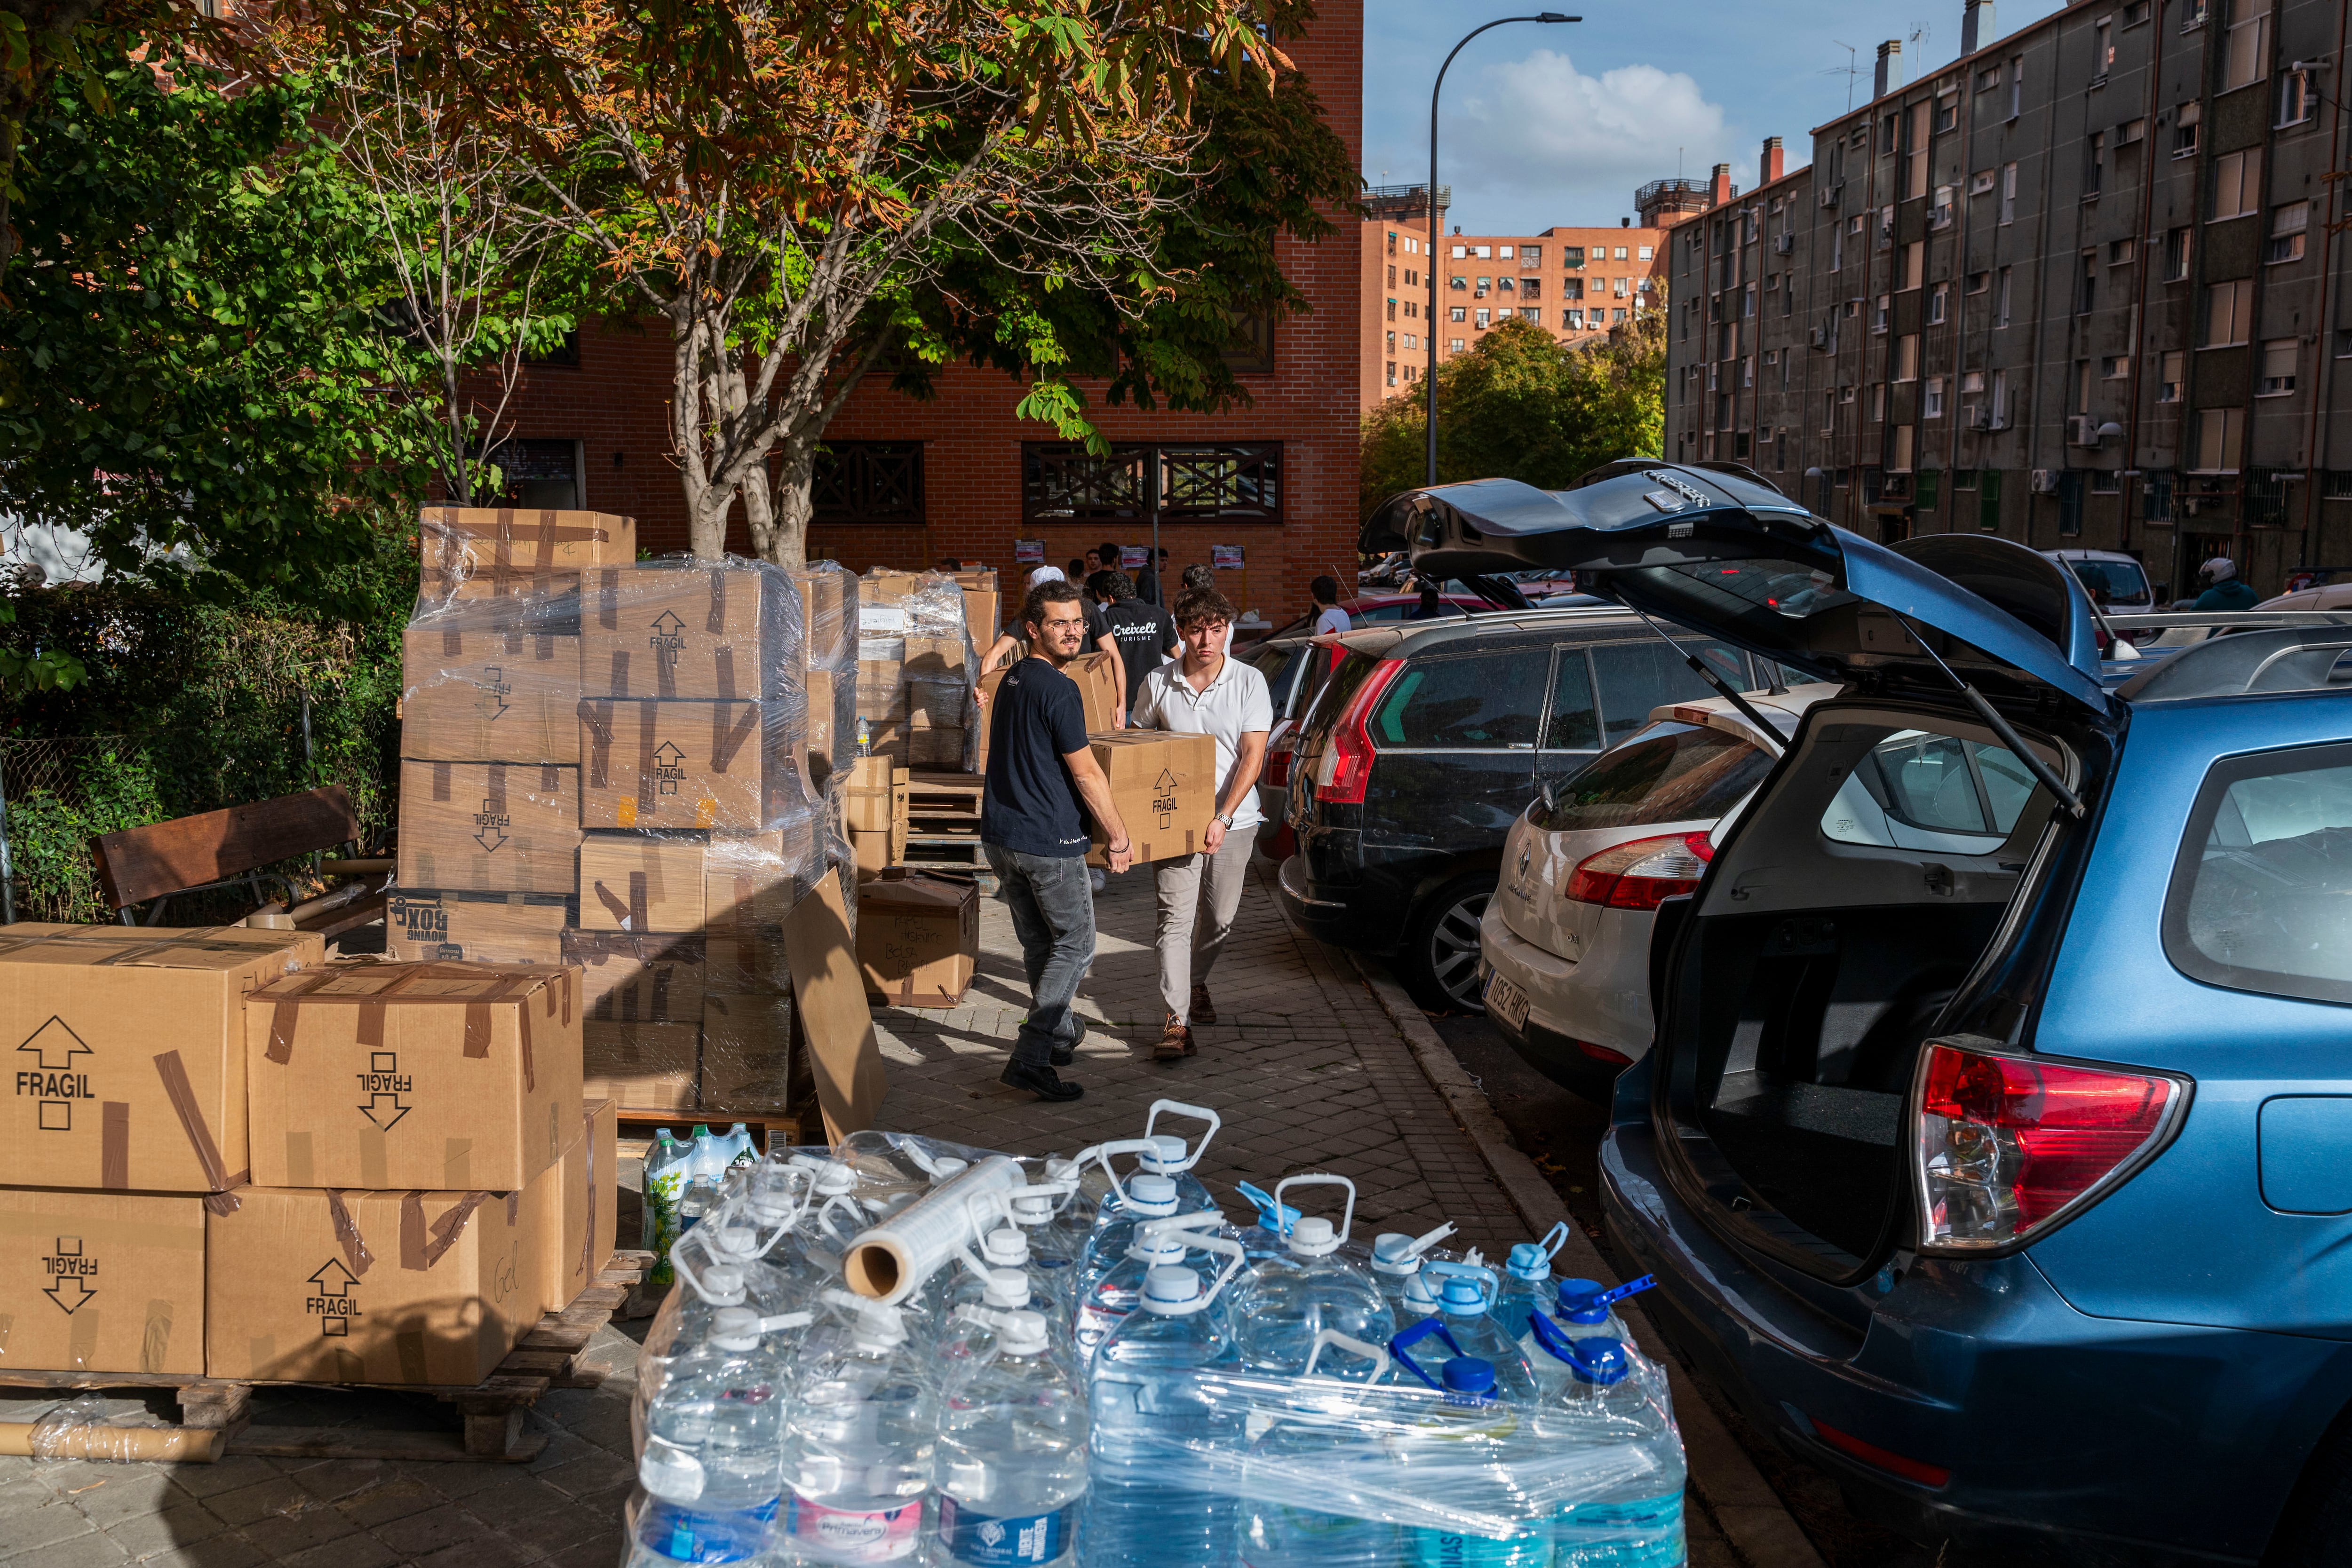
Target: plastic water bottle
x,y
702,1154
1526,1281
1265,1239
1283,1456
1472,1435
858,1447
1149,1410
1057,1236
966,1338
701,1197
740,1151
1147,1197
1115,1294
1609,1396
1465,1296
1010,1466
1284,1305
661,1186
712,1468
729,1277
1397,1262
1583,1309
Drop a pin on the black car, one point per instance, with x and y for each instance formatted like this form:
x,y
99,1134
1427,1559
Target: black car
x,y
1430,738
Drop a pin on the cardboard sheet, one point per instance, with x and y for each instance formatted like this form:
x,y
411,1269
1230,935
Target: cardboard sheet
x,y
838,1026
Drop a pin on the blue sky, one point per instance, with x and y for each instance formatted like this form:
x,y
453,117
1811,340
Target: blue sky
x,y
1546,125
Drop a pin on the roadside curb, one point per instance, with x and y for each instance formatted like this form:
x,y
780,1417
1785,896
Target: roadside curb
x,y
1746,1510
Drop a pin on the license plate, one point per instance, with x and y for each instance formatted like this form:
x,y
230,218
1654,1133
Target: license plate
x,y
1505,1001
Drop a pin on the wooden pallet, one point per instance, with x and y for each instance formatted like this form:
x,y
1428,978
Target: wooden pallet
x,y
938,797
939,851
548,1357
638,1127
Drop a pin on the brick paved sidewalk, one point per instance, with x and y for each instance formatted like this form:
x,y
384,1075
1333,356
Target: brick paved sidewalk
x,y
1307,1069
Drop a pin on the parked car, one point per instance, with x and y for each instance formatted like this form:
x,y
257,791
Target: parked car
x,y
2003,1179
2321,596
2120,577
1423,747
1293,668
1565,941
1373,610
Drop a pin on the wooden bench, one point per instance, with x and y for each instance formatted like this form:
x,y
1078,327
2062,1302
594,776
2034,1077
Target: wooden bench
x,y
158,863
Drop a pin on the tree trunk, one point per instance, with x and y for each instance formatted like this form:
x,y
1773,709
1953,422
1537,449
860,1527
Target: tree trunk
x,y
789,506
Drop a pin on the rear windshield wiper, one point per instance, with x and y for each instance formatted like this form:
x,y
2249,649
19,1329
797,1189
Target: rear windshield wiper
x,y
1723,688
2041,770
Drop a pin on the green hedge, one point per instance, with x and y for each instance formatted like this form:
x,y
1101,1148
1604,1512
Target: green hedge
x,y
194,704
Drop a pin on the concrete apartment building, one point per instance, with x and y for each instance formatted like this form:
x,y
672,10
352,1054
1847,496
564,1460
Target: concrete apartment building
x,y
1572,282
2079,287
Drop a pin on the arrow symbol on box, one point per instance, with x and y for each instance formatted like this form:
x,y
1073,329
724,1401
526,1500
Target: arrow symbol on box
x,y
334,1279
669,755
54,1040
669,624
383,1102
496,686
68,1303
490,845
1165,782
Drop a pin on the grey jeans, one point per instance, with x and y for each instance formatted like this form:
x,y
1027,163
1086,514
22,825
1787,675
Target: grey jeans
x,y
1052,908
1191,936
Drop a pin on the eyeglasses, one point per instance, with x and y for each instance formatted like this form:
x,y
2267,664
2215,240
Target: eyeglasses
x,y
1061,625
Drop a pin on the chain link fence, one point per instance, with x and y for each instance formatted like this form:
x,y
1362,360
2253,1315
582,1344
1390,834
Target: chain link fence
x,y
48,784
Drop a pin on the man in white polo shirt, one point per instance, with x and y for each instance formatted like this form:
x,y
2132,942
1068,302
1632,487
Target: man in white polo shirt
x,y
1204,692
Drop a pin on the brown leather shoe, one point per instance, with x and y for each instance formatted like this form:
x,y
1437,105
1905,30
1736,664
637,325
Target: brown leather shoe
x,y
1203,1010
1175,1042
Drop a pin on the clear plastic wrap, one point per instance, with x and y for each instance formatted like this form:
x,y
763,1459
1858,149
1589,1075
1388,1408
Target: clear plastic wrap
x,y
617,764
81,1428
915,671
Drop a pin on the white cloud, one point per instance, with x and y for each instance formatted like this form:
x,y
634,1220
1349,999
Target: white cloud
x,y
1535,141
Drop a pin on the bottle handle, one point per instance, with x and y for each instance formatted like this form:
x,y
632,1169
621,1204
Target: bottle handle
x,y
744,1207
825,1218
1609,1298
1424,1242
1103,1152
1325,1338
1490,1285
1584,1354
1234,1257
1432,1324
1190,1113
1324,1179
685,1271
1552,1240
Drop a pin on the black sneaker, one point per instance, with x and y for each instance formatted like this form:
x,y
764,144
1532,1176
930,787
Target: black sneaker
x,y
1042,1081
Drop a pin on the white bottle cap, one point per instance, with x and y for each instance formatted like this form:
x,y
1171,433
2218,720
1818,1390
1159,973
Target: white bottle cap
x,y
1170,1289
1004,1247
723,1282
1007,1289
1153,1196
735,1328
1021,1333
1312,1237
1171,1152
947,1169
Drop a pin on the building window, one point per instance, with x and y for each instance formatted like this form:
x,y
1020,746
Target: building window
x,y
1907,357
2174,367
1878,402
2237,184
1573,255
2114,367
1531,256
2228,314
1531,288
2103,49
2008,193
1391,372
2156,494
1979,282
1531,315
1932,403
1940,211
2016,86
2121,251
1649,253
2094,172
1460,312
1989,78
2245,49
1506,286
1459,283
1393,239
1485,286
1480,317
1390,344
1937,299
2185,127
2088,287
2134,12
2000,306
2082,386
2000,399
1572,319
2278,368
1915,264
1989,501
1232,482
2219,433
2287,224
2296,101
1482,253
1619,252
1503,251
2177,248
1455,345
1616,316
1906,437
1617,287
2130,132
1571,289
1882,314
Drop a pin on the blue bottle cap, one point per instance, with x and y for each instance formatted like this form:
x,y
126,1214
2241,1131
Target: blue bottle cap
x,y
1576,1301
1599,1361
1462,1296
1527,1261
1468,1374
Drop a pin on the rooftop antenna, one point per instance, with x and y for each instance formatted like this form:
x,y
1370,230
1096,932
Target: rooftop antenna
x,y
1853,70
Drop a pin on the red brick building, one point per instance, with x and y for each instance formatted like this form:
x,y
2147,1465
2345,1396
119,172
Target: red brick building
x,y
910,483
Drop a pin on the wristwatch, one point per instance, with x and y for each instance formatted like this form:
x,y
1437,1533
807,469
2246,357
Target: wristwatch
x,y
1226,818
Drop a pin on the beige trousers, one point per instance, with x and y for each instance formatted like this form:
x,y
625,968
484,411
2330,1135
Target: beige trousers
x,y
1191,936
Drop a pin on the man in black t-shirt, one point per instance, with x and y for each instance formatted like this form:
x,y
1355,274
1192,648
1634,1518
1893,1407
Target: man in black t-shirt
x,y
1042,783
1145,635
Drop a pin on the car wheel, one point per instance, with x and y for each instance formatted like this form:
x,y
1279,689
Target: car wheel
x,y
1439,963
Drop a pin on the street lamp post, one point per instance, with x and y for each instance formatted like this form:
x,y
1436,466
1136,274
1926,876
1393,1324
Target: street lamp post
x,y
1429,269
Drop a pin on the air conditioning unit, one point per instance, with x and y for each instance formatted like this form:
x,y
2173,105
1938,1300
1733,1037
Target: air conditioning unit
x,y
1821,337
1830,194
1784,244
1979,418
2045,481
2082,430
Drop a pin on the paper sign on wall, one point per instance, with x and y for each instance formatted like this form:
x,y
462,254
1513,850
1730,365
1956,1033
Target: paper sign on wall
x,y
1029,552
1225,558
1132,556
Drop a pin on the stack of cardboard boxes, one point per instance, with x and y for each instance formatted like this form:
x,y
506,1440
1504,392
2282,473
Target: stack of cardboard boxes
x,y
251,1166
651,819
915,656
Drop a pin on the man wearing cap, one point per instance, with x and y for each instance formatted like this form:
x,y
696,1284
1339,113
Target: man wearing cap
x,y
2228,591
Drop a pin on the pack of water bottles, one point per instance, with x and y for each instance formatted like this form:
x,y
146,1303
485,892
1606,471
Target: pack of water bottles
x,y
902,1350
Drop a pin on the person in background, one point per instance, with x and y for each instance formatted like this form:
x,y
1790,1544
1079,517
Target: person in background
x,y
1110,556
1042,781
1329,616
1147,581
1205,692
1431,606
2228,591
1146,633
1007,648
1094,563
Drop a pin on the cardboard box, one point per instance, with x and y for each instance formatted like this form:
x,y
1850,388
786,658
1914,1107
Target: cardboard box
x,y
936,659
1164,786
940,747
822,606
886,741
640,883
424,926
489,827
480,552
982,606
817,745
881,684
637,980
731,767
754,879
411,1075
128,1066
1098,697
424,1288
684,629
918,940
870,852
95,1282
580,1208
750,962
746,1054
473,691
643,1066
941,703
866,797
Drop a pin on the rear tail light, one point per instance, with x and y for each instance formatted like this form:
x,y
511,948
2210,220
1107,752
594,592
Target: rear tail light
x,y
1639,874
1278,764
1346,766
2010,1145
1887,1459
1600,1053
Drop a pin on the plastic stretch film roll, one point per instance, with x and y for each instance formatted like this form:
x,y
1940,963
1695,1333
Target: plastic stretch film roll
x,y
892,1260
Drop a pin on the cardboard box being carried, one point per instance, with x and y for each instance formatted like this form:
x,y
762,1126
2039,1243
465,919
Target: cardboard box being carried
x,y
473,689
97,1281
129,1062
637,980
1164,787
1098,696
330,1286
489,827
411,1075
478,552
640,883
918,940
731,767
579,1209
422,925
645,1066
684,630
